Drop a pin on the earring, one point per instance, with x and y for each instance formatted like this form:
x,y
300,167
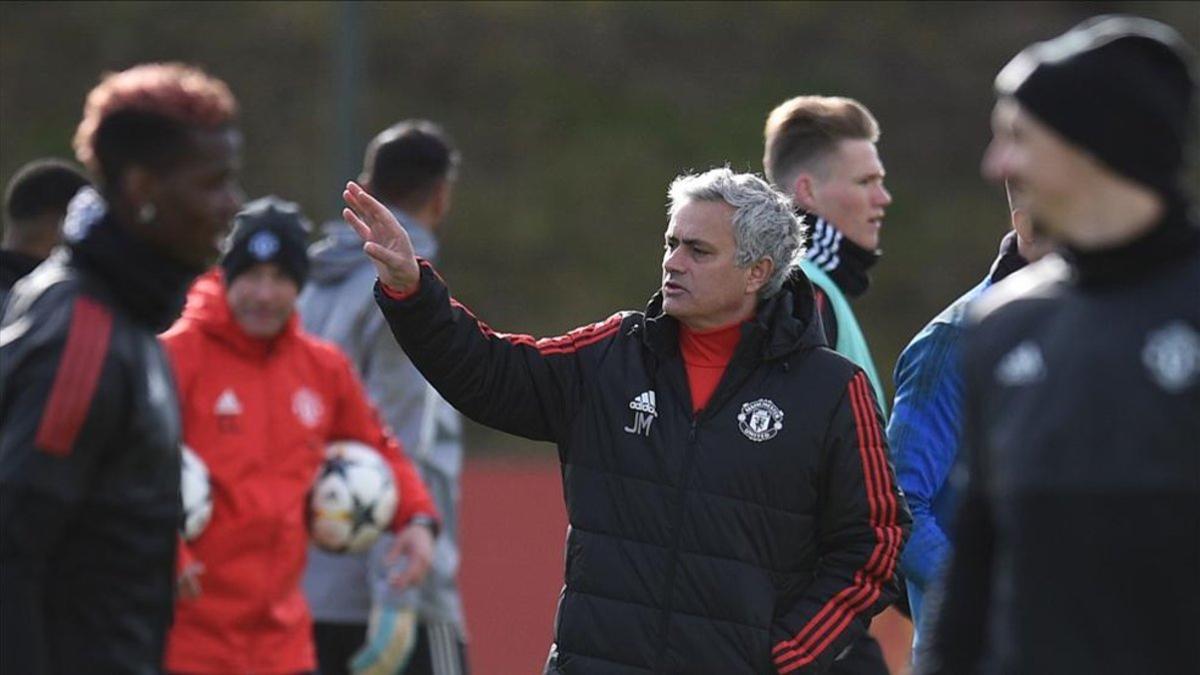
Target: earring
x,y
146,213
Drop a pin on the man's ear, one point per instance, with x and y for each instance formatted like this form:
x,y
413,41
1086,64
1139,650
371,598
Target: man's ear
x,y
758,275
804,191
439,203
1022,223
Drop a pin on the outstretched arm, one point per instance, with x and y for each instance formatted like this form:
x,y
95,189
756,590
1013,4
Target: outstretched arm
x,y
514,383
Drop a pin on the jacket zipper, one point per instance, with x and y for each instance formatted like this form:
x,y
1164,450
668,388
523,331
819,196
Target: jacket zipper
x,y
725,390
677,521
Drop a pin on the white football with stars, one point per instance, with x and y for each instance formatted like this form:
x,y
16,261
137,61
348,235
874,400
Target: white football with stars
x,y
353,499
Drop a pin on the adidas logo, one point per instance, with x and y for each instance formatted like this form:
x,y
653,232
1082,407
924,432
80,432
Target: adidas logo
x,y
1022,365
644,402
228,404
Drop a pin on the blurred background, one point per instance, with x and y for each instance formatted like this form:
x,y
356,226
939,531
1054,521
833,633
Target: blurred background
x,y
572,119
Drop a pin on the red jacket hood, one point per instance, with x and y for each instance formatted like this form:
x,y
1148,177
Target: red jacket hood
x,y
208,308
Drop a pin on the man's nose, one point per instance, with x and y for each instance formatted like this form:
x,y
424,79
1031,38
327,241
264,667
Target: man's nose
x,y
995,160
883,198
671,261
264,293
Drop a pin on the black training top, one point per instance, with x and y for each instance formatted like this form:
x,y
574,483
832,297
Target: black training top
x,y
89,460
1078,545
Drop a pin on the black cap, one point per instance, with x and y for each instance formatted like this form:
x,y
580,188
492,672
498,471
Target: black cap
x,y
1120,87
268,230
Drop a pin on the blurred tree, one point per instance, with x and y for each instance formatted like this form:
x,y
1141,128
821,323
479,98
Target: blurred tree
x,y
573,118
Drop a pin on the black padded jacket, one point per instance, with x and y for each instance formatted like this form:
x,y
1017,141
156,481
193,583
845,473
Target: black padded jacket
x,y
89,460
758,535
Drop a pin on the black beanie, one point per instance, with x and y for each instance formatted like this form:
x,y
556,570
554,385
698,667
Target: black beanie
x,y
1119,87
271,230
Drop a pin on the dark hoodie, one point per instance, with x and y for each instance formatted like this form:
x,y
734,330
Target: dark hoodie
x,y
760,533
13,266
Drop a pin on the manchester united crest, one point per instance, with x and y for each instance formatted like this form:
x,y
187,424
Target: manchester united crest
x,y
1172,356
306,405
760,420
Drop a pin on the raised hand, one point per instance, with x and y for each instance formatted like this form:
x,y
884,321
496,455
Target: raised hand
x,y
385,241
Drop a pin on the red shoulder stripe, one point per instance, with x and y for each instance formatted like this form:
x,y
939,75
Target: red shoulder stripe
x,y
866,586
580,337
563,344
78,374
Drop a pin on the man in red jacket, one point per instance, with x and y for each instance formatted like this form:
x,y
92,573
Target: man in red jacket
x,y
260,400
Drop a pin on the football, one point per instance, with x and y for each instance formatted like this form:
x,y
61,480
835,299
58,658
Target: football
x,y
353,498
195,492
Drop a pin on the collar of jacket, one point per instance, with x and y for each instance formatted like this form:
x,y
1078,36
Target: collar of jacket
x,y
844,261
1173,239
1008,260
147,285
783,323
14,265
208,309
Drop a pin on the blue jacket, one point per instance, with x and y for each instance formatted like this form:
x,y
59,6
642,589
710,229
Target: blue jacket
x,y
924,431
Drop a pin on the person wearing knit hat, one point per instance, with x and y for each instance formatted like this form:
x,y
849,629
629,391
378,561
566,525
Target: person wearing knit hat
x,y
266,264
1076,547
272,230
1096,123
259,399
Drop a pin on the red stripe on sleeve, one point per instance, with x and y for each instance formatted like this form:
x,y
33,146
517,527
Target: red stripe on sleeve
x,y
866,587
580,337
868,581
563,344
77,377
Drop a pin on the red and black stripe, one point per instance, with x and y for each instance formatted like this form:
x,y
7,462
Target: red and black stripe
x,y
77,377
833,618
563,344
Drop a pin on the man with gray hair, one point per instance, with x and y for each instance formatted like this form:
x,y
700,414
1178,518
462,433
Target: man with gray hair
x,y
731,504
